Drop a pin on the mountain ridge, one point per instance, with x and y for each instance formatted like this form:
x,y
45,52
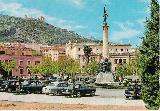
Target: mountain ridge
x,y
29,30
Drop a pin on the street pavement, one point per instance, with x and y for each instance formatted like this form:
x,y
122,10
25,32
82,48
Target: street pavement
x,y
103,97
110,93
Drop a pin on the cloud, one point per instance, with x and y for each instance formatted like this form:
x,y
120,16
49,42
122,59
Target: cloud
x,y
17,9
126,32
141,22
77,2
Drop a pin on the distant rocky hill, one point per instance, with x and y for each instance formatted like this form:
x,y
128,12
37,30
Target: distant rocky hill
x,y
29,30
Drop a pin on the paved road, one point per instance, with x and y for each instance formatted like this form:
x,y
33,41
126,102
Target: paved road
x,y
104,97
110,93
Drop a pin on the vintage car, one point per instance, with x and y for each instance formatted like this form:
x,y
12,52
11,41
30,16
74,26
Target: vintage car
x,y
55,88
133,90
10,86
79,89
1,82
33,86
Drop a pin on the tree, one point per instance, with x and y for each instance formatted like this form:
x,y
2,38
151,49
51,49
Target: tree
x,y
68,66
149,59
128,69
63,62
8,66
73,67
87,52
123,70
34,69
91,68
48,66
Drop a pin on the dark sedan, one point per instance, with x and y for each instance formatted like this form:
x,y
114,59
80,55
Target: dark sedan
x,y
10,85
133,90
32,87
80,90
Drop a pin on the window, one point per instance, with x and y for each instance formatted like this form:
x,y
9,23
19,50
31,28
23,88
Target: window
x,y
116,50
2,52
21,62
79,49
121,50
28,71
115,61
127,50
21,71
120,61
115,68
124,60
37,62
29,63
79,56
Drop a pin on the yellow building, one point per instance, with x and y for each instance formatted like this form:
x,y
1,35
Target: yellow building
x,y
53,52
118,53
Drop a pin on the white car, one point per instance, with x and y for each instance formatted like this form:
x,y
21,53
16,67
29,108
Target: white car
x,y
55,88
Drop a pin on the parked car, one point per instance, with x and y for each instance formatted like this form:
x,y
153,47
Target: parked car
x,y
79,89
133,90
91,80
33,86
55,88
1,82
10,85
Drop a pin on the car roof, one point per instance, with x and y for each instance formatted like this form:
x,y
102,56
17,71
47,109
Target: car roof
x,y
12,80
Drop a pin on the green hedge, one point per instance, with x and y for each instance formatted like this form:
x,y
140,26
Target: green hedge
x,y
108,86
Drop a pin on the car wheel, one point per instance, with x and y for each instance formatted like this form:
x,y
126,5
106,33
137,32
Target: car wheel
x,y
56,93
28,92
9,90
92,94
78,94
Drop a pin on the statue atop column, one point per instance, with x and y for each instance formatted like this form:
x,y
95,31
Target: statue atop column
x,y
105,15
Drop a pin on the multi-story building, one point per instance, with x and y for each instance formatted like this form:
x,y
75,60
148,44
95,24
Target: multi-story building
x,y
118,53
23,56
53,52
16,49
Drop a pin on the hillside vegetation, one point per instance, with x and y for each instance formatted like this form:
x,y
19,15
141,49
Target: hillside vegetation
x,y
13,29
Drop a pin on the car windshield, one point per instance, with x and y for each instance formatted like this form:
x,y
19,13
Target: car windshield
x,y
81,85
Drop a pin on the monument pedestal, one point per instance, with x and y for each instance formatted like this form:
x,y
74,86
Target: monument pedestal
x,y
104,78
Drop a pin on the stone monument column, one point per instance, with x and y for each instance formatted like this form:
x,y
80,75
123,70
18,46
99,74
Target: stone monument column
x,y
105,50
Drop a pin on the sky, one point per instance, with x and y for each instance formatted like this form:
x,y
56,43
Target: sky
x,y
126,17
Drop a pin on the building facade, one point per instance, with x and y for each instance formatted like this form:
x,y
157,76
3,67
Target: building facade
x,y
118,53
53,52
23,57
